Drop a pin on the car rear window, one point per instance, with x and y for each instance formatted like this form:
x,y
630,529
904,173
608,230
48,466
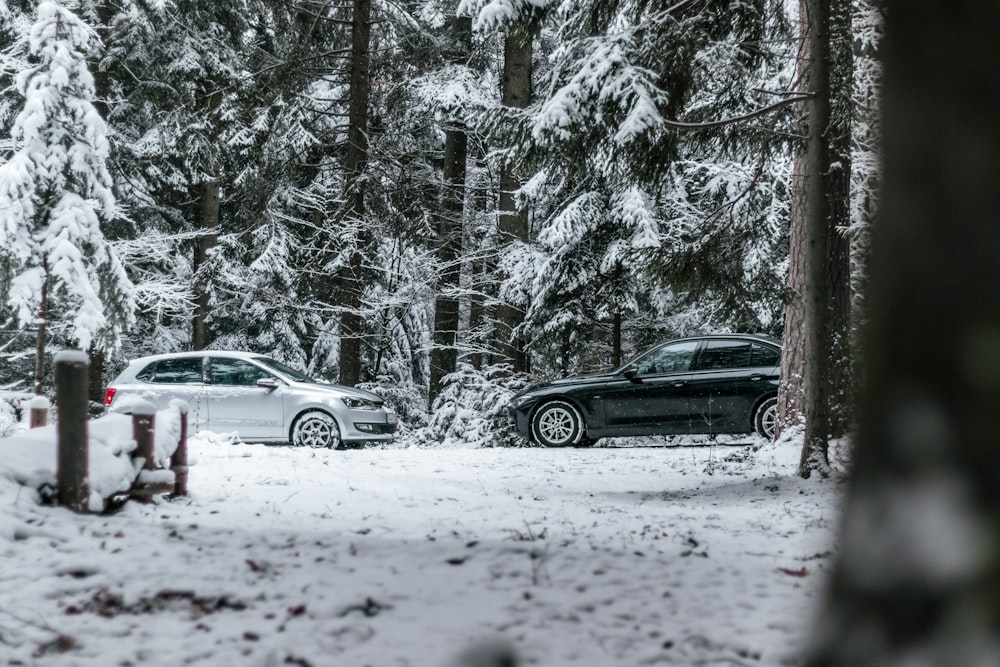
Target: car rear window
x,y
720,354
178,371
765,355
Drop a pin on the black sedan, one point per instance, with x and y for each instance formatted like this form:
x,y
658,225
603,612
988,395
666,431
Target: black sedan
x,y
704,385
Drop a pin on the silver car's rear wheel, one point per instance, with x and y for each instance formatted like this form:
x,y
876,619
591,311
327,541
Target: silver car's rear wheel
x,y
556,424
315,429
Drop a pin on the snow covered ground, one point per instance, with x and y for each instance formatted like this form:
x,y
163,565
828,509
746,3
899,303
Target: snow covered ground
x,y
393,556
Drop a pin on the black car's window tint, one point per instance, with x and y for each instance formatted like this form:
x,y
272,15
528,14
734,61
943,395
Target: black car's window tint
x,y
765,355
721,354
178,371
674,358
235,372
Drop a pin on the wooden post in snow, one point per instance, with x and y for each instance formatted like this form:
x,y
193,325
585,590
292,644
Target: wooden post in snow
x,y
178,460
38,411
71,380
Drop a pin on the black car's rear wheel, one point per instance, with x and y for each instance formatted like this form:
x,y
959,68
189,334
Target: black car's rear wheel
x,y
765,420
557,424
315,429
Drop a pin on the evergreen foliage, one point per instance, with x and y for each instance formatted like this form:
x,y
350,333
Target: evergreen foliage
x,y
651,214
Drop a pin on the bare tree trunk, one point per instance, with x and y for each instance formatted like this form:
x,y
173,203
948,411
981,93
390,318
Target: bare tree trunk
x,y
791,391
444,355
208,238
43,314
824,189
838,211
512,221
356,161
919,566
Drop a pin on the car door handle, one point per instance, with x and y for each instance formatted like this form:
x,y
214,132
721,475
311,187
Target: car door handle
x,y
756,376
678,383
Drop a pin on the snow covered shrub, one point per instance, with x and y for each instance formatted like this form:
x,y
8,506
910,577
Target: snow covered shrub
x,y
471,410
406,400
8,417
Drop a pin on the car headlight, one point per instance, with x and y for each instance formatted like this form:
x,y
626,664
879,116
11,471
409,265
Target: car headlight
x,y
359,403
518,401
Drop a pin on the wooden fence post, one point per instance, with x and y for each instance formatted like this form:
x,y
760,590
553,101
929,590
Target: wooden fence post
x,y
71,380
38,411
179,459
143,422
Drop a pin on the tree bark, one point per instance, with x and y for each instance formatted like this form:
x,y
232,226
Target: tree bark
x,y
513,221
826,180
43,314
355,163
791,391
444,355
208,238
917,577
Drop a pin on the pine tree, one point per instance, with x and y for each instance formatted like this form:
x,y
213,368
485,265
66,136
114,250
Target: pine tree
x,y
56,193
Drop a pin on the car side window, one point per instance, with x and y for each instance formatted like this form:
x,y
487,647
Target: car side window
x,y
674,358
724,354
235,372
186,370
765,355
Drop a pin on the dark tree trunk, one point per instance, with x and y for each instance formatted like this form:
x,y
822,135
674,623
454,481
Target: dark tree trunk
x,y
208,238
43,314
356,160
838,207
826,276
919,566
512,221
444,355
791,391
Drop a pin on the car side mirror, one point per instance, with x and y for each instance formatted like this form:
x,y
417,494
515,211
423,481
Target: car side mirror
x,y
267,383
632,375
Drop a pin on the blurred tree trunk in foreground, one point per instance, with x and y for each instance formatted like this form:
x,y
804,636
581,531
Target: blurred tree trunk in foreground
x,y
918,580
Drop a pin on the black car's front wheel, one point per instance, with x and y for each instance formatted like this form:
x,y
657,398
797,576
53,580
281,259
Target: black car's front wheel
x,y
557,424
765,420
315,429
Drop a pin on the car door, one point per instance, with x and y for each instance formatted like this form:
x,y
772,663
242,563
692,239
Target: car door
x,y
729,377
181,378
237,404
651,397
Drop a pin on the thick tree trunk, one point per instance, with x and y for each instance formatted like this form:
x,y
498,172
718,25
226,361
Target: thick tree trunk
x,y
791,391
512,221
838,211
826,179
919,566
356,161
444,355
208,238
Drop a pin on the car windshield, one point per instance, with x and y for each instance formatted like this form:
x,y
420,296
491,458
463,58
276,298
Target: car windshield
x,y
285,369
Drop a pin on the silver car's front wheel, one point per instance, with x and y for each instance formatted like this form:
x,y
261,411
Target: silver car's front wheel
x,y
315,429
556,424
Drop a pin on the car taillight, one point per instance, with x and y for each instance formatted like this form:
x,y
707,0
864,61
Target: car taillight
x,y
109,395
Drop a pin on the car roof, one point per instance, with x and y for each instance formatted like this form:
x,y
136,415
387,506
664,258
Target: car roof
x,y
233,354
722,336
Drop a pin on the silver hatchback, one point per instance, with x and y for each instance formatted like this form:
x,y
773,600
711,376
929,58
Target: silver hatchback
x,y
258,398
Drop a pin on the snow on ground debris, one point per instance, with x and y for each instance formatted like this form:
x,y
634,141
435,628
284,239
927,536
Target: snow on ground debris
x,y
409,556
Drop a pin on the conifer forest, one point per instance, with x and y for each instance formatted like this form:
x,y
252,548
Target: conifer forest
x,y
438,200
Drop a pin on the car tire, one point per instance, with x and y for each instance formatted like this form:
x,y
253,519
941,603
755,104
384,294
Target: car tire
x,y
315,429
557,424
765,420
